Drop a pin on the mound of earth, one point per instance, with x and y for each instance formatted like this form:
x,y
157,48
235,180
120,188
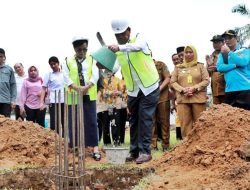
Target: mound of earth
x,y
27,143
213,156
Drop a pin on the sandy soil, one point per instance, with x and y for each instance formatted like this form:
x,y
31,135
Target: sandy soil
x,y
210,158
27,143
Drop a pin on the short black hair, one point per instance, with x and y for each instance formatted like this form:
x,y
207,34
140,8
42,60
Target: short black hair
x,y
53,59
2,51
174,54
180,49
78,43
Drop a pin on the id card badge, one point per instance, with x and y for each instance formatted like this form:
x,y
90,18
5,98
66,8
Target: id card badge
x,y
189,79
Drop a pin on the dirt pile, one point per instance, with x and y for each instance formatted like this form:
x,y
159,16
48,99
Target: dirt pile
x,y
216,150
25,143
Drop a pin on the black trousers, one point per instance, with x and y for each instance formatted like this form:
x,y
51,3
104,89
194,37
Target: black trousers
x,y
90,123
240,99
142,109
35,115
5,109
17,113
99,125
121,119
54,113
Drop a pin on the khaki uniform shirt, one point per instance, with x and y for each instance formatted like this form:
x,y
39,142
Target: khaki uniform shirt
x,y
217,79
199,79
163,74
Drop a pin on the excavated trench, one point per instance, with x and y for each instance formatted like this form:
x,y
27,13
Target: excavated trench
x,y
105,179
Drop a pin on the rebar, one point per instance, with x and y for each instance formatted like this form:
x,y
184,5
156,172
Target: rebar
x,y
69,162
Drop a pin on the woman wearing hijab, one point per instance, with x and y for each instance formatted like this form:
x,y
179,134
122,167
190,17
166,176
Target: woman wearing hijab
x,y
190,80
30,99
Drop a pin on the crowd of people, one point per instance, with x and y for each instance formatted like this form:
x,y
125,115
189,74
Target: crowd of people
x,y
145,95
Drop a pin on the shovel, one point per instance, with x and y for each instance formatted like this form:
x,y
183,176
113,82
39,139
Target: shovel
x,y
100,39
105,57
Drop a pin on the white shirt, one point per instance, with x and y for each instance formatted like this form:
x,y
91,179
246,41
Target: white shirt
x,y
139,45
55,82
19,84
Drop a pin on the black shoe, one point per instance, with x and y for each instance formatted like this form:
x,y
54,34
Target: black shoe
x,y
96,156
143,158
131,157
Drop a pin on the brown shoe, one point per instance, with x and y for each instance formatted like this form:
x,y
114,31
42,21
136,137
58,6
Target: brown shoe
x,y
143,158
131,157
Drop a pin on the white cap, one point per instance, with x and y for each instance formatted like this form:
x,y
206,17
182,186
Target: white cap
x,y
119,26
79,38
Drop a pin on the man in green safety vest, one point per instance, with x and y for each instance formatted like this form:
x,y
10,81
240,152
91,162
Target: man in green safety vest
x,y
142,82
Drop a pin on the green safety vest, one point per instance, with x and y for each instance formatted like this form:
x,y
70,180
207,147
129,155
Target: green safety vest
x,y
73,75
143,65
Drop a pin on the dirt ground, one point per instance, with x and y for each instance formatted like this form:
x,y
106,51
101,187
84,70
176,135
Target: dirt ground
x,y
26,143
210,158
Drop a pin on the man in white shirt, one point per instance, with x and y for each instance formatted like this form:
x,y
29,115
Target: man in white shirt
x,y
142,82
20,75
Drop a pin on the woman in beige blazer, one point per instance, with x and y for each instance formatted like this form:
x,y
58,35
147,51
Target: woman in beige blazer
x,y
190,80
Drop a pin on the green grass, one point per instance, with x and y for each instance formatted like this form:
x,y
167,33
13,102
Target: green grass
x,y
145,181
15,168
155,153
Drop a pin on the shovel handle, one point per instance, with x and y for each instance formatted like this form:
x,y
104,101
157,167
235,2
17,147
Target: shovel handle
x,y
100,39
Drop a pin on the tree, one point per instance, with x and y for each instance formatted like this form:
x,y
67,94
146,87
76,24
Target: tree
x,y
244,31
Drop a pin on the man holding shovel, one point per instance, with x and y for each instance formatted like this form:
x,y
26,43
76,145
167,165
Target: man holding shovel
x,y
142,82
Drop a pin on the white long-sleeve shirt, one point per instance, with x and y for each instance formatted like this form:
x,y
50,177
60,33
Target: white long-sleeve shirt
x,y
139,45
19,84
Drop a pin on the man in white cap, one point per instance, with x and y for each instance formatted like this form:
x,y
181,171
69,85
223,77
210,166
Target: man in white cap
x,y
84,73
142,82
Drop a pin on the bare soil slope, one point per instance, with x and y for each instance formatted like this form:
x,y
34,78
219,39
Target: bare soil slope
x,y
27,143
212,156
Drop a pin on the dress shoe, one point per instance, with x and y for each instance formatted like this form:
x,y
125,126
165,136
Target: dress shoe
x,y
131,157
143,158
